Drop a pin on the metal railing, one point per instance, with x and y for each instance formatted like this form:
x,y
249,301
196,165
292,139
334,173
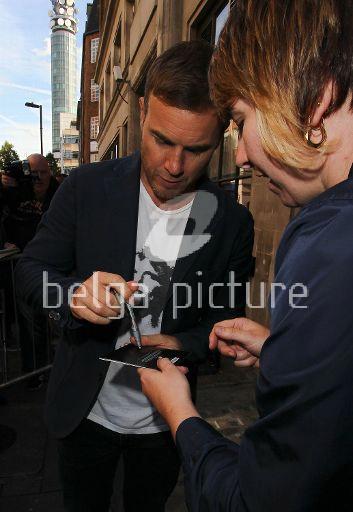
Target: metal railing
x,y
11,344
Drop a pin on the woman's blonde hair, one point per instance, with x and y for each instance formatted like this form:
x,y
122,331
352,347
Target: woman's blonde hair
x,y
279,55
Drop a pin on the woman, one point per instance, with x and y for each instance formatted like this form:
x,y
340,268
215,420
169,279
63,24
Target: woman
x,y
284,72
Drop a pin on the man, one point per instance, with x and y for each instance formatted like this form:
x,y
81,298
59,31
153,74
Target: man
x,y
23,209
24,205
152,220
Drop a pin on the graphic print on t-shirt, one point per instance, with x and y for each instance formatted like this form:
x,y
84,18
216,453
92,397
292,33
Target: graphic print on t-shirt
x,y
155,276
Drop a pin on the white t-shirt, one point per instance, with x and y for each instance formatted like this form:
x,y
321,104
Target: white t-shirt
x,y
121,406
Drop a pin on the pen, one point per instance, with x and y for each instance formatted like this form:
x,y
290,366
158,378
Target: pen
x,y
134,327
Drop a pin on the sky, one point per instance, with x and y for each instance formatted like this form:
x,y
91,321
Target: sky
x,y
25,72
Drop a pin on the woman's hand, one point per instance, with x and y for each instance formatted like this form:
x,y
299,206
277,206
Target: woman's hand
x,y
169,391
241,339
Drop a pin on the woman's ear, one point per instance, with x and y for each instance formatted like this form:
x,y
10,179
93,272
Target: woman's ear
x,y
322,106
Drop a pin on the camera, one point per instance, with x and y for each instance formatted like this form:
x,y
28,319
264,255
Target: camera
x,y
21,171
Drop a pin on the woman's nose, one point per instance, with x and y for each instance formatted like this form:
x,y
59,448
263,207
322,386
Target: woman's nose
x,y
241,156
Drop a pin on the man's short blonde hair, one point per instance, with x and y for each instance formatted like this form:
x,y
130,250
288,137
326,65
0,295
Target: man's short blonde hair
x,y
279,55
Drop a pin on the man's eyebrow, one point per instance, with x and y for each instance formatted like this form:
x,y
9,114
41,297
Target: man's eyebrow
x,y
163,137
196,148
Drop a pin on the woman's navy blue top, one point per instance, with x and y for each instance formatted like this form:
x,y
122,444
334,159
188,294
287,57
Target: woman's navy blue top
x,y
298,456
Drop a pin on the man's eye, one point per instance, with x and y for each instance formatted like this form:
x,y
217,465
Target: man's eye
x,y
162,142
195,152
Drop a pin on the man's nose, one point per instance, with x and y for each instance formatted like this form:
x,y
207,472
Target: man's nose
x,y
174,161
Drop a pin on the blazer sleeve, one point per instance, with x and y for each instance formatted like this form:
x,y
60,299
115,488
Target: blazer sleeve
x,y
297,456
240,265
44,273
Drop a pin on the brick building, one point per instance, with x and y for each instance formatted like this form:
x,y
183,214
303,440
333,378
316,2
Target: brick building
x,y
132,34
88,106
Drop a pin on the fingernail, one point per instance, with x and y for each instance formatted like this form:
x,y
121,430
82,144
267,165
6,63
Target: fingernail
x,y
219,330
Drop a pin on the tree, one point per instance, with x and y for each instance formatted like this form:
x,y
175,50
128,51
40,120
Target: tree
x,y
53,164
7,155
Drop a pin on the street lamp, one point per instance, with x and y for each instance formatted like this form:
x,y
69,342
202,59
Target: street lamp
x,y
34,105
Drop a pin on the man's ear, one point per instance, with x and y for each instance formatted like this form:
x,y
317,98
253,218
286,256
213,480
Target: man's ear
x,y
323,105
142,111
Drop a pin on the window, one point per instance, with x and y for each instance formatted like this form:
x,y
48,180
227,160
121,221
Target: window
x,y
94,49
113,151
94,91
107,81
70,155
101,103
71,139
94,127
117,46
93,146
124,139
220,21
213,24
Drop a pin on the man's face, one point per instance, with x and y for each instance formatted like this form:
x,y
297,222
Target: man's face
x,y
176,148
40,167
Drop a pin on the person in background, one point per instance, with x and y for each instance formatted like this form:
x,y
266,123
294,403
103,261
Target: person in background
x,y
23,208
284,72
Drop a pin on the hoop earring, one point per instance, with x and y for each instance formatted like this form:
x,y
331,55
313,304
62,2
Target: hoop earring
x,y
321,128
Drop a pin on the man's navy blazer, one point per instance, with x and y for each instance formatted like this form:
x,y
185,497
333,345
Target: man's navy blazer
x,y
91,226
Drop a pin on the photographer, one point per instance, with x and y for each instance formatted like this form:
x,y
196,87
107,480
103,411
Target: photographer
x,y
26,191
26,195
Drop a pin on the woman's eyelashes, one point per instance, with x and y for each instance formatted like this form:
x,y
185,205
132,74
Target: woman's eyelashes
x,y
240,127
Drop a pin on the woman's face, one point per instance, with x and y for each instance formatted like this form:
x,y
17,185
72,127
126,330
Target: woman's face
x,y
293,189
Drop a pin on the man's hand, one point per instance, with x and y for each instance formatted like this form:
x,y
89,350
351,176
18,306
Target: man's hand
x,y
8,181
169,391
93,300
160,341
241,339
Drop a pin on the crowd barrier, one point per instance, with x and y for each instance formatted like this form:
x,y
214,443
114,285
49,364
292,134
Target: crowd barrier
x,y
11,346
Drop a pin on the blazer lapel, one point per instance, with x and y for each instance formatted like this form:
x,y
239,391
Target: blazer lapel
x,y
122,194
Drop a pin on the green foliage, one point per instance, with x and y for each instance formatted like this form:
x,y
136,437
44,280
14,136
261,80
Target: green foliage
x,y
7,155
53,164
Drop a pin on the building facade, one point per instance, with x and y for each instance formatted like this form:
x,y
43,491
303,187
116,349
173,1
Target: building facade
x,y
88,121
132,34
69,143
63,64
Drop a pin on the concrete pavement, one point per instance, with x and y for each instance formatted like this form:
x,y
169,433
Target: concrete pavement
x,y
29,479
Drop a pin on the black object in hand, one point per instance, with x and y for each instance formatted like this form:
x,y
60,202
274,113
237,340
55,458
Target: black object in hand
x,y
145,357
